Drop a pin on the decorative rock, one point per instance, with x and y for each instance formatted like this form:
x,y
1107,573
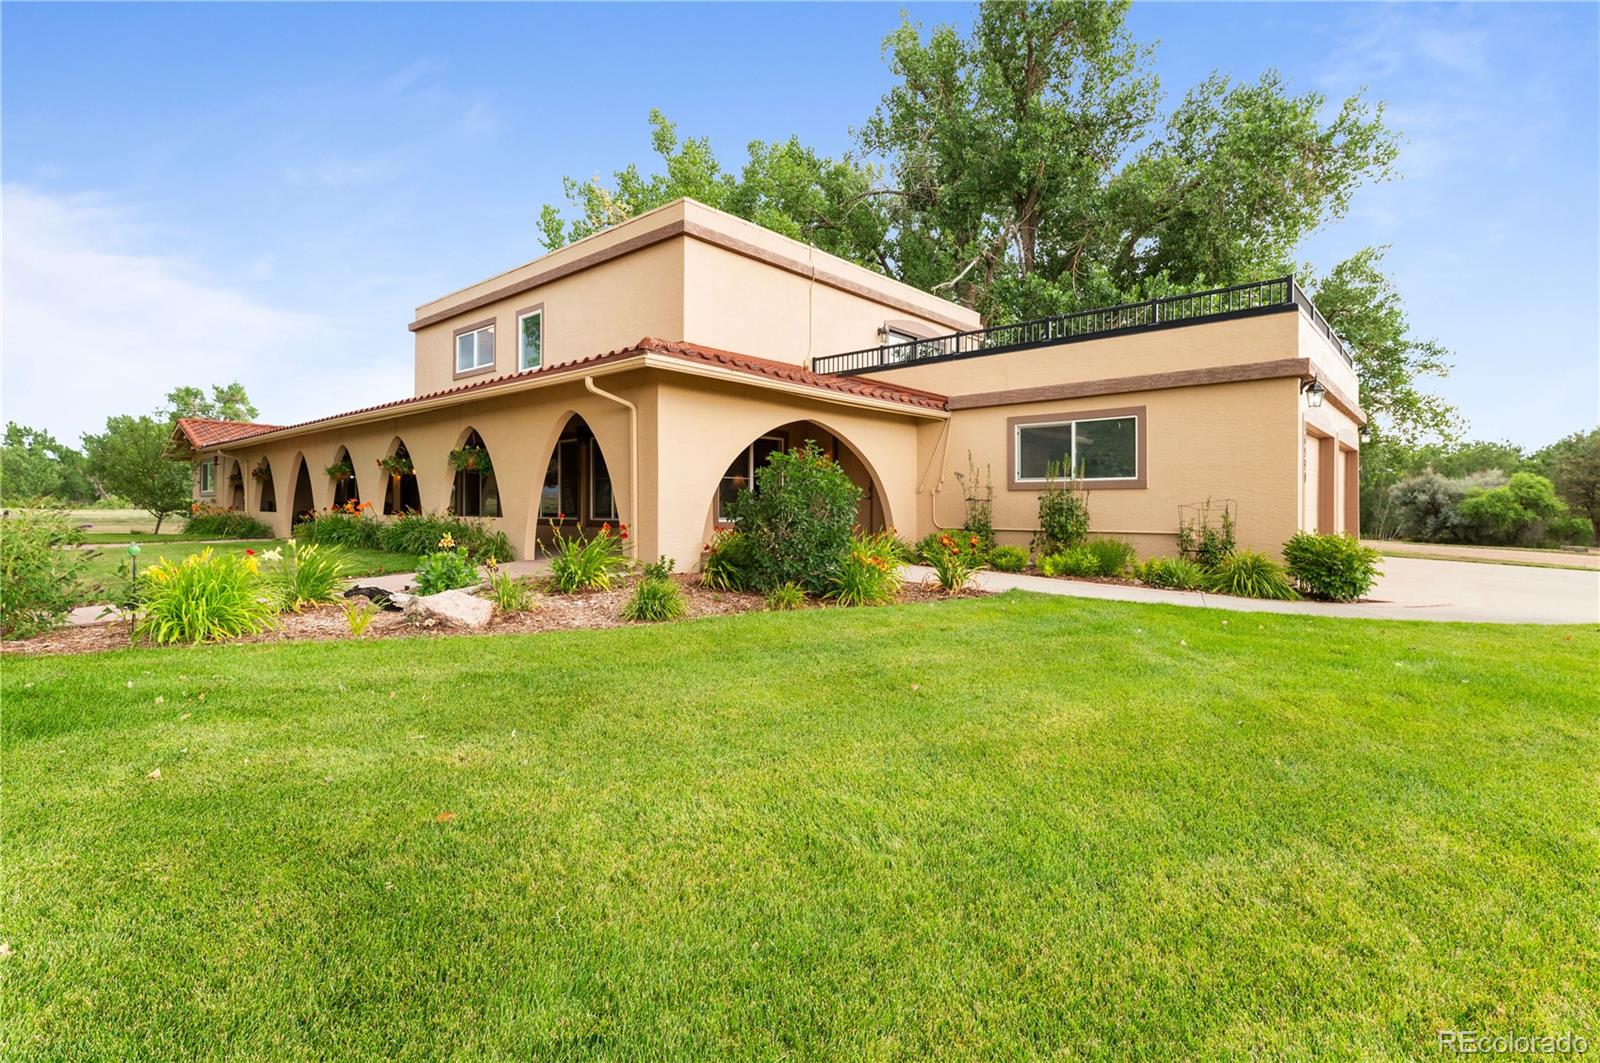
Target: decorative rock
x,y
453,607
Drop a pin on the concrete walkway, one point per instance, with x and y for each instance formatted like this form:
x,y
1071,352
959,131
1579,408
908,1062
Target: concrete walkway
x,y
1409,589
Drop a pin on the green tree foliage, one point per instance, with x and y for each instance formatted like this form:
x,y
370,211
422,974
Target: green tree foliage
x,y
1574,465
227,403
34,464
130,459
1365,308
1519,511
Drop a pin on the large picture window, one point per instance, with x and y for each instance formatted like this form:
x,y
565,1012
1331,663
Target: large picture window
x,y
530,339
1090,448
475,349
741,474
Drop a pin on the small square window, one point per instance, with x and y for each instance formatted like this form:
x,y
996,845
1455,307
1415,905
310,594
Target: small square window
x,y
475,350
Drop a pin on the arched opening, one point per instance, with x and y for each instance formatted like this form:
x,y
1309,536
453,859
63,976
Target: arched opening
x,y
474,493
343,474
577,489
402,495
305,502
235,486
267,500
871,514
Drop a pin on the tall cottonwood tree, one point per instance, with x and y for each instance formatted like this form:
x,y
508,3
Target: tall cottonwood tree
x,y
1025,169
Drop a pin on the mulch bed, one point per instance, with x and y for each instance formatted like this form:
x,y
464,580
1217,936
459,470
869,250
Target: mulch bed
x,y
551,612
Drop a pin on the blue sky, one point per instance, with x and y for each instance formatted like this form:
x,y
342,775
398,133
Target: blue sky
x,y
202,193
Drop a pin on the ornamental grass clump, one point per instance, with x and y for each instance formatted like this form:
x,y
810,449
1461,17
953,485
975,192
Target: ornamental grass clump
x,y
1008,559
1172,573
1333,567
446,569
348,525
303,574
725,563
508,593
1114,558
1076,561
579,564
656,598
215,522
786,598
1250,574
953,562
866,576
206,597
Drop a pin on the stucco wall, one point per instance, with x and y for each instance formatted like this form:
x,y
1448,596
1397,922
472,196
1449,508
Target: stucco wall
x,y
1229,441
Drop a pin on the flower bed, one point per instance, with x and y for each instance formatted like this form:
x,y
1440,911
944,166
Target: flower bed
x,y
550,612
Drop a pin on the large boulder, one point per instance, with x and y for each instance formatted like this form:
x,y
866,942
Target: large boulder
x,y
457,608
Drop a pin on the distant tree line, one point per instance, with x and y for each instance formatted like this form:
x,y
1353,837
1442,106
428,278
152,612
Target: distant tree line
x,y
126,464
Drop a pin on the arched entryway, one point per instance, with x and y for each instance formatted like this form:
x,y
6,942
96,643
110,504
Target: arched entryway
x,y
474,492
235,486
402,494
267,499
343,474
305,501
872,513
576,491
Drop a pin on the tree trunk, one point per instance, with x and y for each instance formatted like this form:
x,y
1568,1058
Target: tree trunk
x,y
159,518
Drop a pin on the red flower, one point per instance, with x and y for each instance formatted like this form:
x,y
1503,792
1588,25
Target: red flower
x,y
249,553
561,516
624,535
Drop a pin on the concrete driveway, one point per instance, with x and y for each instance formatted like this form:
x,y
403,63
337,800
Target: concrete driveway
x,y
1409,589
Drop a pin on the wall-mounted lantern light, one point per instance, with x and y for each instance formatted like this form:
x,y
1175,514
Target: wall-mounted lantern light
x,y
1313,391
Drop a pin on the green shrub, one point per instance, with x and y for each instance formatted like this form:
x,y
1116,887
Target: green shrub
x,y
340,527
788,597
510,594
797,520
1335,567
447,569
41,567
204,598
359,614
865,576
1206,537
1008,559
952,565
660,568
1250,574
579,564
1175,573
1063,513
1519,512
725,562
214,522
304,574
655,599
1076,561
418,533
1113,557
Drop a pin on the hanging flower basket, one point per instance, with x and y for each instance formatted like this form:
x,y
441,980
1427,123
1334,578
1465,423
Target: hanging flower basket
x,y
261,470
396,465
471,459
340,471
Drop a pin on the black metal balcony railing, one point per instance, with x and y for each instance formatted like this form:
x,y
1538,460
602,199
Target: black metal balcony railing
x,y
1169,311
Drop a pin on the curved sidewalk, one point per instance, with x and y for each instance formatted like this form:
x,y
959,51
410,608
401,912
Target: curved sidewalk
x,y
1409,589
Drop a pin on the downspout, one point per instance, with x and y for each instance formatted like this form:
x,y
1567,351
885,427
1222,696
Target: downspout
x,y
633,444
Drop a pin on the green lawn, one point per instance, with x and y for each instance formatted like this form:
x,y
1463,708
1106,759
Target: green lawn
x,y
1008,827
102,567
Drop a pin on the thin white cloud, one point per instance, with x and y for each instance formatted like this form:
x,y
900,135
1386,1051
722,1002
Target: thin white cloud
x,y
96,323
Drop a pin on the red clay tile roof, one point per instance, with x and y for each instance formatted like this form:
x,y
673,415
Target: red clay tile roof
x,y
688,352
205,432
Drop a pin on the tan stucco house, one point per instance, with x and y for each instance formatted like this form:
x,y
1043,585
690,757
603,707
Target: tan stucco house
x,y
641,374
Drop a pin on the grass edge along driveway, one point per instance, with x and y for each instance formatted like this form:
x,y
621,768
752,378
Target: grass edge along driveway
x,y
1013,826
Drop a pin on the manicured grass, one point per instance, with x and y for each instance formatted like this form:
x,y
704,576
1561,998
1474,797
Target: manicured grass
x,y
1488,560
124,520
134,537
101,570
1001,828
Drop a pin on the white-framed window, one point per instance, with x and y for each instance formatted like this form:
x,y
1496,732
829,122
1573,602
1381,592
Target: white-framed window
x,y
602,502
208,477
742,474
475,349
530,339
1101,448
559,495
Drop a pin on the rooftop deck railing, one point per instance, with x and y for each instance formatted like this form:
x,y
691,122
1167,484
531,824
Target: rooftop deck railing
x,y
1172,310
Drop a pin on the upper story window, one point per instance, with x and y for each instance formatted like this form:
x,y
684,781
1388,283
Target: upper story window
x,y
475,348
1100,448
530,339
